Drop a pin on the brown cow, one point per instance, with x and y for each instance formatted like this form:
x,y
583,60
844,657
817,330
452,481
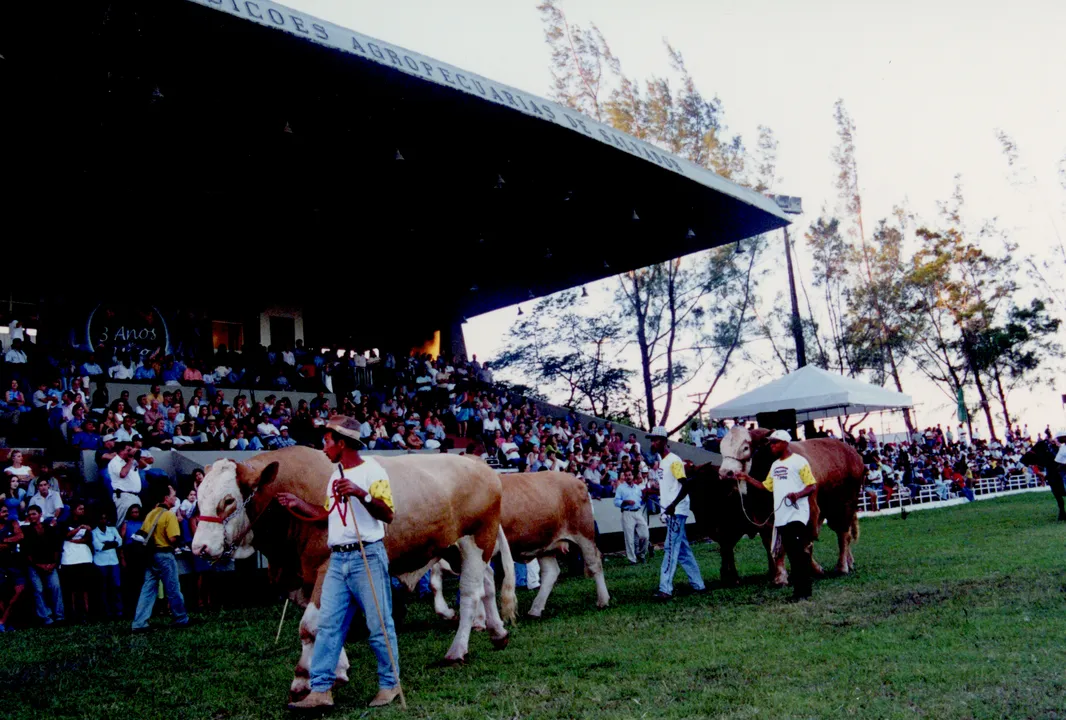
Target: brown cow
x,y
541,512
732,510
441,501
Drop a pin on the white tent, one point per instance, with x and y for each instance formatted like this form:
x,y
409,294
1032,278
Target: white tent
x,y
813,393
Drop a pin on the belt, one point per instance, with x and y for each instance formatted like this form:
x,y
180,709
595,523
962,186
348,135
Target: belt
x,y
350,547
631,509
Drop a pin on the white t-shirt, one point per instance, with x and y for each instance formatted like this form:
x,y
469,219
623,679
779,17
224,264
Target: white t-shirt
x,y
21,472
673,471
788,476
16,331
267,429
491,425
369,476
48,505
1060,457
131,483
76,553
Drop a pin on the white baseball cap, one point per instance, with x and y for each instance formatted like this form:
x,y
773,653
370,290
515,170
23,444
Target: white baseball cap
x,y
657,431
782,435
1060,434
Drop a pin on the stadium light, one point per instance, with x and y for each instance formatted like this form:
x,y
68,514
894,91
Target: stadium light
x,y
399,155
690,235
635,216
499,182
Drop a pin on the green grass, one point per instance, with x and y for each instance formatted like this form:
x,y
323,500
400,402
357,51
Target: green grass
x,y
952,613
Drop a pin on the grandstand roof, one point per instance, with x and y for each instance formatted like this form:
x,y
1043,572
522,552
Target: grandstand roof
x,y
221,136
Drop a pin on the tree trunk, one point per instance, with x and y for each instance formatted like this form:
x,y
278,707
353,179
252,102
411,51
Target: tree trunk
x,y
1001,395
899,386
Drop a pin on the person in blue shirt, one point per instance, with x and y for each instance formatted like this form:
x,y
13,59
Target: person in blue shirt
x,y
284,440
106,542
629,499
144,372
85,437
90,367
171,374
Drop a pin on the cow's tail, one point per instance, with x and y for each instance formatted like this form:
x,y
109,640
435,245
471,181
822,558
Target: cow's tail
x,y
508,601
854,526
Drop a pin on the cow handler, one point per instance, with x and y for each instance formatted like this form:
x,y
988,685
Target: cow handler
x,y
347,582
792,482
673,495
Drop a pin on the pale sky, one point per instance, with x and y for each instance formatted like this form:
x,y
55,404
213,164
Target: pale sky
x,y
927,83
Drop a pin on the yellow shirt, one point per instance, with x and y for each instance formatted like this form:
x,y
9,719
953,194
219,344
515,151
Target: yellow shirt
x,y
167,532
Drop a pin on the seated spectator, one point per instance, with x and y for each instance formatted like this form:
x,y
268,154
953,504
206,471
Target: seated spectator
x,y
127,433
158,437
14,499
179,438
144,372
284,440
91,369
18,470
412,440
14,400
121,371
86,437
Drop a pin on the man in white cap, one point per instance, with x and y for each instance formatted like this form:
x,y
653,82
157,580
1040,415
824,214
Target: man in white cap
x,y
347,583
791,481
1055,474
673,496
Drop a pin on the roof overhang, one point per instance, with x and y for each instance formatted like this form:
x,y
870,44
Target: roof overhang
x,y
243,136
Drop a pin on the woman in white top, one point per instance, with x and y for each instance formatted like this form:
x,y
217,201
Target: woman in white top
x,y
17,470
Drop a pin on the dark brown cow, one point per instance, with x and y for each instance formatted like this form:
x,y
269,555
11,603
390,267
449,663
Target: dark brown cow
x,y
728,510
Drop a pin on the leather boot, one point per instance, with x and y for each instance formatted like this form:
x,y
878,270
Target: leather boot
x,y
385,696
314,701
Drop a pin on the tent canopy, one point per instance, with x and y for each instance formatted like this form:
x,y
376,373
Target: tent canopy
x,y
813,393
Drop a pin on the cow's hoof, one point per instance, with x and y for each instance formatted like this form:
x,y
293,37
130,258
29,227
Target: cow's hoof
x,y
501,642
478,628
298,695
452,662
534,615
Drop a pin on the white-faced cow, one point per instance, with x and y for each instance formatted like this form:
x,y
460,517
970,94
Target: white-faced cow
x,y
541,513
441,501
728,510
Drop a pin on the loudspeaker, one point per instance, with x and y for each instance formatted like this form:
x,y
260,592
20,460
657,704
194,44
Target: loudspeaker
x,y
778,420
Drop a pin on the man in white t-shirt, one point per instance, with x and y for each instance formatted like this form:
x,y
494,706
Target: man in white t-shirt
x,y
673,496
125,479
791,481
362,487
490,425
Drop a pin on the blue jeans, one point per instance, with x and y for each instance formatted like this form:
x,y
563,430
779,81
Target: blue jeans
x,y
47,581
677,551
161,566
345,588
110,590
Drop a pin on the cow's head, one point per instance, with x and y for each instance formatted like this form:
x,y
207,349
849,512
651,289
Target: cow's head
x,y
738,448
222,495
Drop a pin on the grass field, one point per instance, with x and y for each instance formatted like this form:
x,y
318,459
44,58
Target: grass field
x,y
952,613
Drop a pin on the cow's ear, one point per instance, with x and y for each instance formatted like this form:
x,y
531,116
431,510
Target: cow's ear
x,y
207,469
247,479
759,435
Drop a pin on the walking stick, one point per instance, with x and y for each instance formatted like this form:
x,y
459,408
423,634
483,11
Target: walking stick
x,y
377,606
283,609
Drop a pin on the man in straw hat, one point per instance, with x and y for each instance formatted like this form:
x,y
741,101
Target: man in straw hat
x,y
351,524
673,495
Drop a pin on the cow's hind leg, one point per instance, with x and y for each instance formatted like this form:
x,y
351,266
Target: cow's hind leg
x,y
436,584
549,573
301,682
471,588
492,619
594,568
